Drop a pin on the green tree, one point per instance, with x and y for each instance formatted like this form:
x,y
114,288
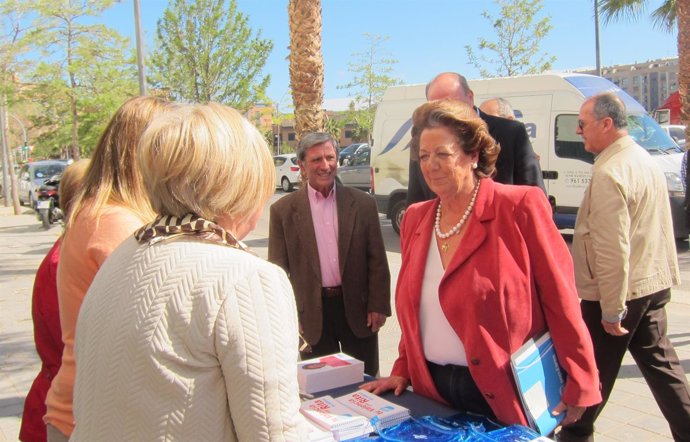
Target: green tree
x,y
372,76
86,71
333,126
206,52
515,50
670,15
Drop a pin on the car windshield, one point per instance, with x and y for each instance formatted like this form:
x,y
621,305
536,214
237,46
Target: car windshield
x,y
648,134
349,149
48,170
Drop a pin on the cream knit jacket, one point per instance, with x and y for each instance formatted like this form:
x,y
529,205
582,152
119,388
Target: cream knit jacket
x,y
189,341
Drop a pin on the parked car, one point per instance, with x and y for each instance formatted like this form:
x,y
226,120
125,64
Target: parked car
x,y
358,172
287,171
32,175
348,153
677,132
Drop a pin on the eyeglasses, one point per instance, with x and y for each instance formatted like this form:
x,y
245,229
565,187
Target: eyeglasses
x,y
581,124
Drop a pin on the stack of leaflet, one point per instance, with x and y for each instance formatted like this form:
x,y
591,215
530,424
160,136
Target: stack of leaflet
x,y
328,372
380,412
333,416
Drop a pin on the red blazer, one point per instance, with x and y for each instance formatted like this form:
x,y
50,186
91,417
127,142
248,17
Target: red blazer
x,y
510,279
48,338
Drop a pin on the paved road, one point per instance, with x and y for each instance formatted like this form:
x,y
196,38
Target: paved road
x,y
632,414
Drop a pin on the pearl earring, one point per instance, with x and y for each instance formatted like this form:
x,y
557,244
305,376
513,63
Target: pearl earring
x,y
474,166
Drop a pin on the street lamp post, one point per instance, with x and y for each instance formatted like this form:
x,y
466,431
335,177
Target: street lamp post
x,y
25,138
140,49
596,36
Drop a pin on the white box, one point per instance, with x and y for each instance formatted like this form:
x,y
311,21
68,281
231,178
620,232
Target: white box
x,y
328,372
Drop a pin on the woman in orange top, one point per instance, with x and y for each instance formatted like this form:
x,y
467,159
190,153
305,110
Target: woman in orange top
x,y
111,205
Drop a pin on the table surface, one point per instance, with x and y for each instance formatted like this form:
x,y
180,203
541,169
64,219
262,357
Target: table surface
x,y
417,404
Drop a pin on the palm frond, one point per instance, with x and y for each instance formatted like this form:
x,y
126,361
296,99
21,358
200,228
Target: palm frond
x,y
615,10
664,17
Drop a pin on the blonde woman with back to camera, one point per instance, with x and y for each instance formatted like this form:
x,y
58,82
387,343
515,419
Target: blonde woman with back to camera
x,y
185,334
110,206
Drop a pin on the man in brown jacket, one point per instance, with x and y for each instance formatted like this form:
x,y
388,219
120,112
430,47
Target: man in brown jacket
x,y
328,240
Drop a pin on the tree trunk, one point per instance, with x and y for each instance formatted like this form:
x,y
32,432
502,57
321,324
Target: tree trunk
x,y
306,65
14,195
683,16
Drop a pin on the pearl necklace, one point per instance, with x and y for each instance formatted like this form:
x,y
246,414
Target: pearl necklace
x,y
456,228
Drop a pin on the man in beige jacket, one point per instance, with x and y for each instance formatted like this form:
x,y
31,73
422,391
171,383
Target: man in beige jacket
x,y
625,264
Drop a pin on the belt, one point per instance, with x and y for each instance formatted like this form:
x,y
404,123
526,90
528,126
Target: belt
x,y
331,292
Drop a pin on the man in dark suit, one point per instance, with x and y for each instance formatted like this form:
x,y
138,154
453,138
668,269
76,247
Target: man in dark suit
x,y
328,240
517,163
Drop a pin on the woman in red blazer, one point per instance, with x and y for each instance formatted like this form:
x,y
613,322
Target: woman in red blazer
x,y
483,270
46,316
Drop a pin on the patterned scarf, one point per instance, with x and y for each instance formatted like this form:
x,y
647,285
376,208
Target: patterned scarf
x,y
167,227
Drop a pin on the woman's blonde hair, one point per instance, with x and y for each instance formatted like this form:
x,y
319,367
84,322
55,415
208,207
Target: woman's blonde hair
x,y
113,176
463,121
207,160
70,183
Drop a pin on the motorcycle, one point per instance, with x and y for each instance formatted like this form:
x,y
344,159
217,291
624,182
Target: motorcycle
x,y
48,202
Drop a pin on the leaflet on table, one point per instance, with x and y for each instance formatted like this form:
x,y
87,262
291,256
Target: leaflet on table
x,y
540,382
380,412
327,372
318,434
333,416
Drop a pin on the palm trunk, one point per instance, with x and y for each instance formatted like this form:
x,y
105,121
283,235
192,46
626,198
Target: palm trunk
x,y
306,65
683,17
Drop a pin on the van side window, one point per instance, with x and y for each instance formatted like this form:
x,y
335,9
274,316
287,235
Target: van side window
x,y
568,143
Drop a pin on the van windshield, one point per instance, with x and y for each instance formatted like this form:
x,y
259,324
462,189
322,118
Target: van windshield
x,y
642,128
647,133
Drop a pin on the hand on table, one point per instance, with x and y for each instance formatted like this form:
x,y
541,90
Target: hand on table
x,y
396,383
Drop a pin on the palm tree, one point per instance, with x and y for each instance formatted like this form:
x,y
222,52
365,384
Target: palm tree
x,y
670,14
306,65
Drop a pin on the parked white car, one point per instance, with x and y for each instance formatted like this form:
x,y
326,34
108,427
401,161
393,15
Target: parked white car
x,y
287,171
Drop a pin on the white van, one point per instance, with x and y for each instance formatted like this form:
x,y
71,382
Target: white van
x,y
548,105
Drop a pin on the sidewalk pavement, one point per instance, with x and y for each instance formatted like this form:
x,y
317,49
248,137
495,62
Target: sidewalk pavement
x,y
631,415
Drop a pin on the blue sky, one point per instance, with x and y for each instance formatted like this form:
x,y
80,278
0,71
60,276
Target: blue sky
x,y
426,36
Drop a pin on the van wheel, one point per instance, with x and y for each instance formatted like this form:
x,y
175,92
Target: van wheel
x,y
285,184
397,214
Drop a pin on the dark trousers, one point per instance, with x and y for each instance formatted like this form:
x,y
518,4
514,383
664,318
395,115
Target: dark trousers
x,y
336,336
455,384
654,356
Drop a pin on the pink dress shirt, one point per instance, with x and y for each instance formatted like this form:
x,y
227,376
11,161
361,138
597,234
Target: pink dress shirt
x,y
324,215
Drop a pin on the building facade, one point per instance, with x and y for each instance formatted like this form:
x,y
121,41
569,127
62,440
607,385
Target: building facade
x,y
650,82
283,128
